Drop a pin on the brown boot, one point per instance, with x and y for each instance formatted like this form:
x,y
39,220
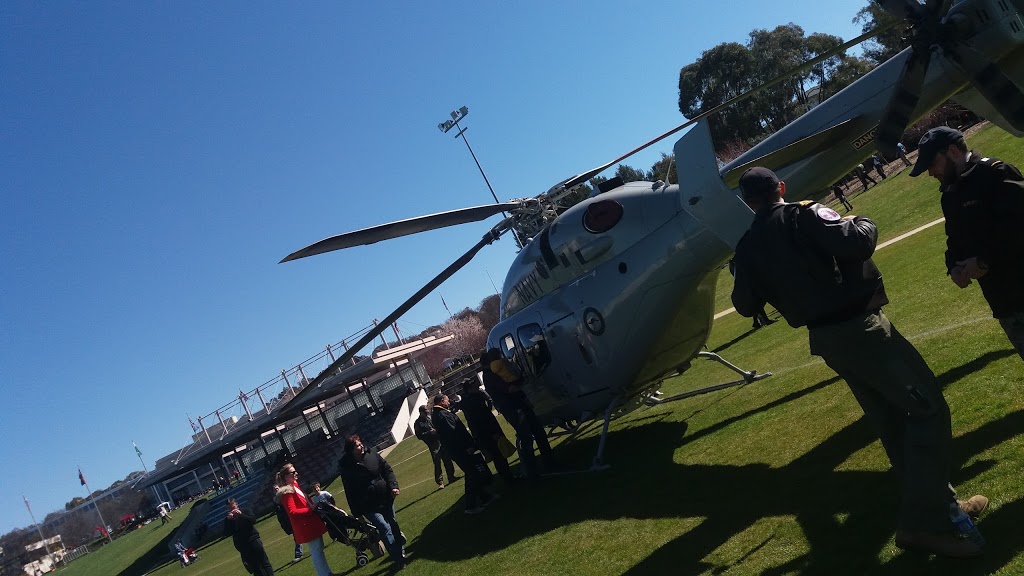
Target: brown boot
x,y
974,505
944,544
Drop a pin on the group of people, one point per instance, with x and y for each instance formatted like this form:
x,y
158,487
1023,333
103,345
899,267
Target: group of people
x,y
814,266
449,440
370,487
862,172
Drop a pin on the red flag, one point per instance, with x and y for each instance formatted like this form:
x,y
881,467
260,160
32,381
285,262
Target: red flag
x,y
80,477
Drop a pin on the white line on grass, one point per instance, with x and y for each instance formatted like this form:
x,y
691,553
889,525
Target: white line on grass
x,y
728,311
928,334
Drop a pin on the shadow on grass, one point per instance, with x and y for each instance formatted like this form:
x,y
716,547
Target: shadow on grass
x,y
847,516
154,558
968,368
774,317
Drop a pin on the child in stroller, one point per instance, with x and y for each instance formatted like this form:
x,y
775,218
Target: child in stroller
x,y
351,531
185,555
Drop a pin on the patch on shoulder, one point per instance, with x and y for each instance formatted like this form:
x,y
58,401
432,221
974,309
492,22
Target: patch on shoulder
x,y
828,214
805,202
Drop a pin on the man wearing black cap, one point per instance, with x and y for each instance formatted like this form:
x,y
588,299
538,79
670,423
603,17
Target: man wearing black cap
x,y
815,268
983,202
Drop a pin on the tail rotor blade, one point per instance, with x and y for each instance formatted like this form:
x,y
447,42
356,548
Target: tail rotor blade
x,y
1005,96
900,109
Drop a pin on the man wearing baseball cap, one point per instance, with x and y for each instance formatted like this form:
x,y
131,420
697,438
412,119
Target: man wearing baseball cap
x,y
815,268
983,202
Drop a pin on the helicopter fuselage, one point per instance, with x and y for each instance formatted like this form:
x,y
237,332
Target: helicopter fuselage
x,y
591,317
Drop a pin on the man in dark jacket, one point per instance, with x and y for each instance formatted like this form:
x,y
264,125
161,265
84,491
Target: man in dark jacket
x,y
242,528
371,487
815,267
425,431
983,202
462,448
503,382
484,427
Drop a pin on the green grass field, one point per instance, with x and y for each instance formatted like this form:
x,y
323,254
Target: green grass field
x,y
778,477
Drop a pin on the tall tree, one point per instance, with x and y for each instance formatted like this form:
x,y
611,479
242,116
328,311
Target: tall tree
x,y
884,46
664,170
490,311
835,73
730,69
721,73
629,174
776,52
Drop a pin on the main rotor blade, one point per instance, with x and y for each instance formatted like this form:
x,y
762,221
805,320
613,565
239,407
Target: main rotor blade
x,y
492,235
580,178
1005,96
898,111
401,228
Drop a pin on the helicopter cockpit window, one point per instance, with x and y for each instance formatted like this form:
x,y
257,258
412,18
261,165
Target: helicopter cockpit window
x,y
508,349
535,348
508,346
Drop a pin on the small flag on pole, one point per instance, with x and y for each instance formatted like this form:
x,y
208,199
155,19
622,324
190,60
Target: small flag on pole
x,y
27,506
445,305
137,451
81,478
194,427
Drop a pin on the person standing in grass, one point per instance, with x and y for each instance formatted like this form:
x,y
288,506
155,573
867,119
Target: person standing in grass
x,y
286,524
902,151
840,195
307,526
864,177
245,537
484,427
983,202
371,488
425,431
462,448
815,267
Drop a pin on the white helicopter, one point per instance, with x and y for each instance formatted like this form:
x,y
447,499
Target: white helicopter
x,y
610,296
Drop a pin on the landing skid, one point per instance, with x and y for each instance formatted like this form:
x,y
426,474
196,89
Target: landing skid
x,y
599,464
748,377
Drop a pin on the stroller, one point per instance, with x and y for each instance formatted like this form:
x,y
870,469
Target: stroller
x,y
352,531
186,555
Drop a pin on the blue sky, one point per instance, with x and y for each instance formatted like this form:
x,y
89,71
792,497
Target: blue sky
x,y
158,159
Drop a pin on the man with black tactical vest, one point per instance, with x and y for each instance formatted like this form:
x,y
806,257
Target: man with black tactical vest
x,y
815,268
983,202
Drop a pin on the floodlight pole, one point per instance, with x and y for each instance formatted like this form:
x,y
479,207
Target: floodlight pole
x,y
457,116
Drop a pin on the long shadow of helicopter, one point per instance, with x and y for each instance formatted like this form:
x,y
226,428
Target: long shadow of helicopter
x,y
846,516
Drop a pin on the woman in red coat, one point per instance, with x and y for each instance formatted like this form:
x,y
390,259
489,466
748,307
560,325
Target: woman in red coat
x,y
307,526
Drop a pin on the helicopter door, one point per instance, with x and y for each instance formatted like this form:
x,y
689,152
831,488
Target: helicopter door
x,y
573,371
